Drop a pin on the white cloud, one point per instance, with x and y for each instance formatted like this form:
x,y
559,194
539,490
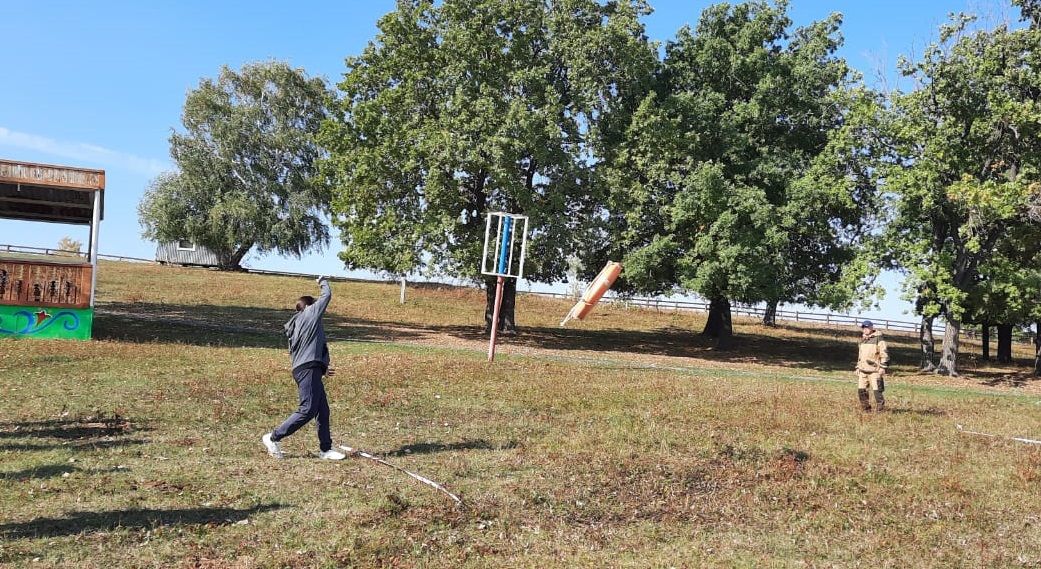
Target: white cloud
x,y
88,154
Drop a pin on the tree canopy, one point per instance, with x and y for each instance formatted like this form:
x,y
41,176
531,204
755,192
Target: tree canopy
x,y
459,107
963,168
735,180
246,166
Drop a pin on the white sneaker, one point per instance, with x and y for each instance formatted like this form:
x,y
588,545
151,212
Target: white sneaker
x,y
331,455
272,446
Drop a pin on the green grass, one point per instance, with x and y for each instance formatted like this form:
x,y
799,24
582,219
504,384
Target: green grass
x,y
142,449
63,258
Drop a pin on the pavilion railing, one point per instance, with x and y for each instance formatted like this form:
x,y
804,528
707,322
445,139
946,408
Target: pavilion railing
x,y
44,284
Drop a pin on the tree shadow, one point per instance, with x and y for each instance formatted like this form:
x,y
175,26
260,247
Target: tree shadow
x,y
80,445
785,345
84,522
39,472
1004,378
70,429
428,448
212,325
52,471
77,433
823,354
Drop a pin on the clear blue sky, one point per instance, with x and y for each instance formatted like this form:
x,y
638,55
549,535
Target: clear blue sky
x,y
101,84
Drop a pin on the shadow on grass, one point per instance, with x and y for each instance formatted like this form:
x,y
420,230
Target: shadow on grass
x,y
79,445
209,325
74,433
52,471
829,350
39,472
70,429
821,353
429,448
87,522
1004,378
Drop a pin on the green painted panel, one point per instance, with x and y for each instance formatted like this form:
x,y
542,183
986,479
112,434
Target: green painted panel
x,y
36,322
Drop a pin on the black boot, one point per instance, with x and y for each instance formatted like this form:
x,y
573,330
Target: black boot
x,y
865,403
880,401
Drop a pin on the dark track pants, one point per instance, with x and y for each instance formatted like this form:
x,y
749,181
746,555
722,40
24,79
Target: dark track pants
x,y
313,405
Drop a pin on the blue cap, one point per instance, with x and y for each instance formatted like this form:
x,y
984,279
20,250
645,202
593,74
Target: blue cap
x,y
867,324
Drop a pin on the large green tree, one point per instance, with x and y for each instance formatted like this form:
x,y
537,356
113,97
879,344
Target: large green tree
x,y
461,107
963,165
738,179
246,166
1009,291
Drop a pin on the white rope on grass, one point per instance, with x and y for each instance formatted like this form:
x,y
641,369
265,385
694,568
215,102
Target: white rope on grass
x,y
1017,439
355,452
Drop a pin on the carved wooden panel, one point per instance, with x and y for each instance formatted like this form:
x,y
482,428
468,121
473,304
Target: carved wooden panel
x,y
28,283
49,175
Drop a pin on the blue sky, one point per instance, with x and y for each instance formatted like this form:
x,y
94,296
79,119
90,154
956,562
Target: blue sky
x,y
101,84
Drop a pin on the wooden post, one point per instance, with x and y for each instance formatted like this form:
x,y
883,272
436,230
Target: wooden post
x,y
402,290
495,317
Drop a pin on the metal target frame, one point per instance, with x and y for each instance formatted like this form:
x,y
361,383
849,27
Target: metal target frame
x,y
504,262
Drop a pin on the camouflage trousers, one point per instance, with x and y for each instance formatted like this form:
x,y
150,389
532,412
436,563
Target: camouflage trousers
x,y
873,380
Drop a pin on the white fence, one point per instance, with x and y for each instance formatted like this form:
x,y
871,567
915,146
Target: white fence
x,y
824,318
47,251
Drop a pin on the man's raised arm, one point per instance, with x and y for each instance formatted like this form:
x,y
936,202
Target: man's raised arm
x,y
322,302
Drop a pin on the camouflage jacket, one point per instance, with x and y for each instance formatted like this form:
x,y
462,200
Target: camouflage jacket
x,y
874,354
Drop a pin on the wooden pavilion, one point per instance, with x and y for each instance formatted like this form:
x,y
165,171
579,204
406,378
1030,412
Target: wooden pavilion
x,y
49,295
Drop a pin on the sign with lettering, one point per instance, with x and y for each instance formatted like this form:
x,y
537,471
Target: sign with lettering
x,y
46,175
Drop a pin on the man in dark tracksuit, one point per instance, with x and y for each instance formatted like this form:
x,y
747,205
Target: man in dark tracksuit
x,y
310,356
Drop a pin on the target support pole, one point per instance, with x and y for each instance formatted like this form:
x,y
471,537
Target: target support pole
x,y
503,268
502,260
495,317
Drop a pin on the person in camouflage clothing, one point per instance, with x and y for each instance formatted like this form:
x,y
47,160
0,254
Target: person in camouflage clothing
x,y
872,361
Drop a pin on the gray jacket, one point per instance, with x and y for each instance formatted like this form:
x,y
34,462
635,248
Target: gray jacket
x,y
306,333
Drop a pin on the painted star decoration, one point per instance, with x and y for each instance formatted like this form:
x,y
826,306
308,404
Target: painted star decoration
x,y
41,316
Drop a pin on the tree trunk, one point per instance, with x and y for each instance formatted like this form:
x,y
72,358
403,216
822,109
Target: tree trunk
x,y
985,339
1037,348
507,321
724,340
233,262
770,316
715,318
928,344
1005,343
720,325
949,351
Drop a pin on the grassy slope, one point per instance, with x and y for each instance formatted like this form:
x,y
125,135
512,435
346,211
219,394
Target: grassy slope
x,y
570,450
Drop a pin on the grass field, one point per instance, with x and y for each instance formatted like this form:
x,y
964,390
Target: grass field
x,y
625,441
